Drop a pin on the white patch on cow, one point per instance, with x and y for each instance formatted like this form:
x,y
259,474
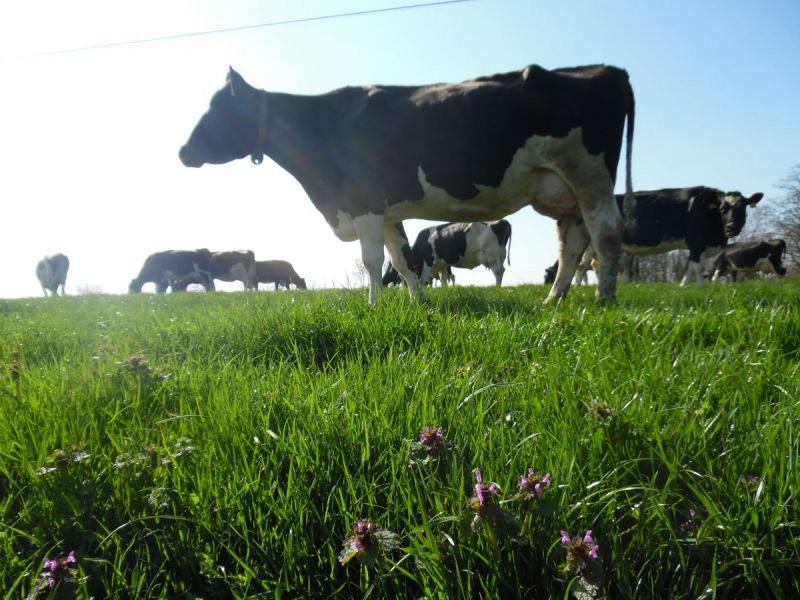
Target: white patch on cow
x,y
548,173
237,272
345,230
693,268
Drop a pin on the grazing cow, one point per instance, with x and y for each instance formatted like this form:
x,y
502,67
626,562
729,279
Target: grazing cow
x,y
749,257
700,219
369,157
52,273
464,245
176,268
235,266
279,272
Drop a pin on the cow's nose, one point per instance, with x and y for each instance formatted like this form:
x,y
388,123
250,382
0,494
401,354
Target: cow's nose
x,y
189,157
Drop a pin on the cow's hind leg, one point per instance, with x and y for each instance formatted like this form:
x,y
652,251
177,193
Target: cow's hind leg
x,y
399,251
605,226
573,238
370,231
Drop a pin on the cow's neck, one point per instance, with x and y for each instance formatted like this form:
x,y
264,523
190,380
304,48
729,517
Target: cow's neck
x,y
293,132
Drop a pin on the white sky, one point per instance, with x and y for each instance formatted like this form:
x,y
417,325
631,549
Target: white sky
x,y
89,140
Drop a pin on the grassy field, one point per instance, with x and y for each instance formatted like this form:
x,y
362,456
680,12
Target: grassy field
x,y
235,445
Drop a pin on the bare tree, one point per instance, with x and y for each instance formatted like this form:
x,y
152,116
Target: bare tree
x,y
785,217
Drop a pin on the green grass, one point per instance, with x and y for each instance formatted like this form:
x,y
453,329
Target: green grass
x,y
234,439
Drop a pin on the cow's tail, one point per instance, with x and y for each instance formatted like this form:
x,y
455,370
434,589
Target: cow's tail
x,y
508,251
628,205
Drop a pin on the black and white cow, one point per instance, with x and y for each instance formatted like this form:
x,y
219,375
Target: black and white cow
x,y
369,157
235,265
279,272
463,245
700,219
750,257
176,268
51,272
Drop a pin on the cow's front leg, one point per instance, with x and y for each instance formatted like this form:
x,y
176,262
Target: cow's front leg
x,y
370,231
400,252
573,238
693,267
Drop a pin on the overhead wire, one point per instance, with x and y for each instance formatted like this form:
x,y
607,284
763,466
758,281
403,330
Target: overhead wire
x,y
178,36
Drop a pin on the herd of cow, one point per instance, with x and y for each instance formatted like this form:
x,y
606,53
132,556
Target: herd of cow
x,y
473,152
178,269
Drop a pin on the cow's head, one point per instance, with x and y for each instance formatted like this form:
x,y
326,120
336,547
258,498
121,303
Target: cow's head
x,y
550,273
135,286
301,283
233,126
733,211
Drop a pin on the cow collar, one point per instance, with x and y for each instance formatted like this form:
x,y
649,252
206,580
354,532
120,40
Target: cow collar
x,y
257,155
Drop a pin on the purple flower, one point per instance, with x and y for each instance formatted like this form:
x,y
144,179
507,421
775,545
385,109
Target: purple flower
x,y
56,570
532,486
432,443
579,548
367,542
484,492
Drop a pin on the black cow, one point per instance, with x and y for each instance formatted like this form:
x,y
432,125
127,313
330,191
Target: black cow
x,y
279,272
700,219
176,268
51,272
369,157
749,257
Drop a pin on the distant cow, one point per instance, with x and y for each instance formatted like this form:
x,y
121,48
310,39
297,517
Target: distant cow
x,y
52,273
749,257
700,219
235,266
371,156
175,268
279,272
463,245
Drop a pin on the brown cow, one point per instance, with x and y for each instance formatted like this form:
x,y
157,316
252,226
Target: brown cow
x,y
279,272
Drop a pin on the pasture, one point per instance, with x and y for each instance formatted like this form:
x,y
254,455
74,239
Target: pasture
x,y
225,445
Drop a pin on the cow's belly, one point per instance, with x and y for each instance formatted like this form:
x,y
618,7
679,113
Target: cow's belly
x,y
660,248
543,173
764,265
237,272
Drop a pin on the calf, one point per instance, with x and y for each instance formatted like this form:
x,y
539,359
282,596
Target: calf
x,y
177,268
748,257
52,273
279,272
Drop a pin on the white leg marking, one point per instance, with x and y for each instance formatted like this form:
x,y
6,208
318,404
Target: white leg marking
x,y
572,241
394,244
369,228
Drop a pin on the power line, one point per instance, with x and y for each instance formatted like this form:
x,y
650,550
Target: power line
x,y
178,36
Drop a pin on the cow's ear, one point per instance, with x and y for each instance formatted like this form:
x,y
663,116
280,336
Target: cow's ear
x,y
755,198
236,82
